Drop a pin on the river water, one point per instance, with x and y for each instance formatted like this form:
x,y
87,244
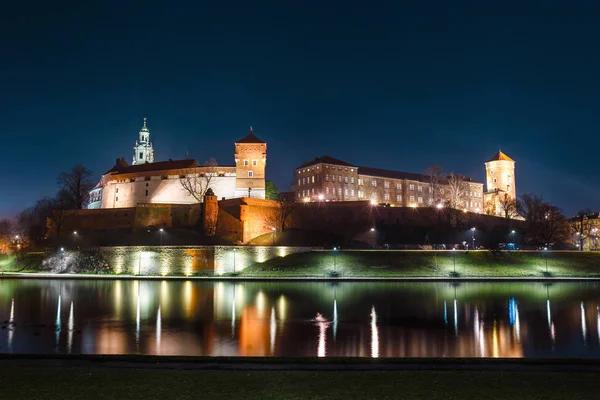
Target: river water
x,y
305,319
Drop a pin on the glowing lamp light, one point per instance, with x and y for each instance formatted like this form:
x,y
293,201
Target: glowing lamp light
x,y
321,197
273,229
306,199
439,206
161,229
373,202
74,232
473,229
513,231
62,249
372,229
413,206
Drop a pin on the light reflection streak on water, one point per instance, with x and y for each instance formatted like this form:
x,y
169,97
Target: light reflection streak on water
x,y
455,318
476,332
583,324
335,319
495,343
11,322
273,330
374,334
137,316
158,330
323,324
70,325
445,314
233,313
57,322
482,339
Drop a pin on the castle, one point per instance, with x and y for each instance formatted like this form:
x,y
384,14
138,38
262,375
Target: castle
x,y
329,179
180,181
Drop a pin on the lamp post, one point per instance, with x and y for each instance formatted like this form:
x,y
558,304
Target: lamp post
x,y
546,258
234,250
473,232
335,259
454,258
139,263
512,235
273,236
160,232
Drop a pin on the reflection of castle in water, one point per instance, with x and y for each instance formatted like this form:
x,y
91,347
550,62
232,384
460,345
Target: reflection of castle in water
x,y
258,319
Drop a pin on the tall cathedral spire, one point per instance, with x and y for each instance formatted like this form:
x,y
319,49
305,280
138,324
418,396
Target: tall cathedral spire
x,y
143,152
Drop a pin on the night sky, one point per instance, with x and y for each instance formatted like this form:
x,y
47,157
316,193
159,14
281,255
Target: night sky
x,y
396,87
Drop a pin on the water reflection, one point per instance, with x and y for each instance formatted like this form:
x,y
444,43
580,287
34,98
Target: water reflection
x,y
282,319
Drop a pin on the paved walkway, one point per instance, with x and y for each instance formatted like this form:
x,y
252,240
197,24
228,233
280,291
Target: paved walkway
x,y
298,364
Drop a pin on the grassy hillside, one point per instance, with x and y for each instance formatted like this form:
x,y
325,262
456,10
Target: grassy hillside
x,y
431,264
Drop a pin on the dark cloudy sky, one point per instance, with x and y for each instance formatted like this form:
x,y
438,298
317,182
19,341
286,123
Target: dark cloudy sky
x,y
397,85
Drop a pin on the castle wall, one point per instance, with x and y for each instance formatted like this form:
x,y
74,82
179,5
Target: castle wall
x,y
166,189
190,260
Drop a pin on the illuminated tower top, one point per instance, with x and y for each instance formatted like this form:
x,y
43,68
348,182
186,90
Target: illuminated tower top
x,y
143,152
500,174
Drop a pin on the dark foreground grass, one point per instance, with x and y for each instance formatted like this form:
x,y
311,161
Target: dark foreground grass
x,y
102,382
476,264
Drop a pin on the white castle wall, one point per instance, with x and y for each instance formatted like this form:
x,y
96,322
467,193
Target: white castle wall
x,y
129,194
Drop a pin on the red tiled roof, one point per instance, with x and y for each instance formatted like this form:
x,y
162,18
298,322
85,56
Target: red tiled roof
x,y
251,138
500,156
326,160
385,173
119,168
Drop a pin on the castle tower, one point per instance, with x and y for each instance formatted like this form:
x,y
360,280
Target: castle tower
x,y
500,181
143,151
250,163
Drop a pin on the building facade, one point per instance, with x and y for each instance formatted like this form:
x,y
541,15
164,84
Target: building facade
x,y
181,181
329,179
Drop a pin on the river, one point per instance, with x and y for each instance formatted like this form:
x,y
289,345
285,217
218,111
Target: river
x,y
304,319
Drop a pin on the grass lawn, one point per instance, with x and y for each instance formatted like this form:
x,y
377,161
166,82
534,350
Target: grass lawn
x,y
432,264
102,382
26,262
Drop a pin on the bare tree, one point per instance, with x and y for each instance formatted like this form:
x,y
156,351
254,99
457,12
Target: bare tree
x,y
545,223
280,216
583,227
437,177
455,191
507,206
197,183
75,186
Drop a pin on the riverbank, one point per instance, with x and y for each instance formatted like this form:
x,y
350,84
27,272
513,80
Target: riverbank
x,y
432,264
63,379
369,265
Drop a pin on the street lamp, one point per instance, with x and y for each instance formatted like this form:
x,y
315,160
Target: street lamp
x,y
372,229
160,232
454,258
273,241
546,258
335,259
473,231
75,233
234,250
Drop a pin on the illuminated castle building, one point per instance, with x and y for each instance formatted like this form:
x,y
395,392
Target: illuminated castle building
x,y
500,183
329,179
180,181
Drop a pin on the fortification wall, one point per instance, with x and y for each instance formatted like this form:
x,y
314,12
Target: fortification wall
x,y
190,260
